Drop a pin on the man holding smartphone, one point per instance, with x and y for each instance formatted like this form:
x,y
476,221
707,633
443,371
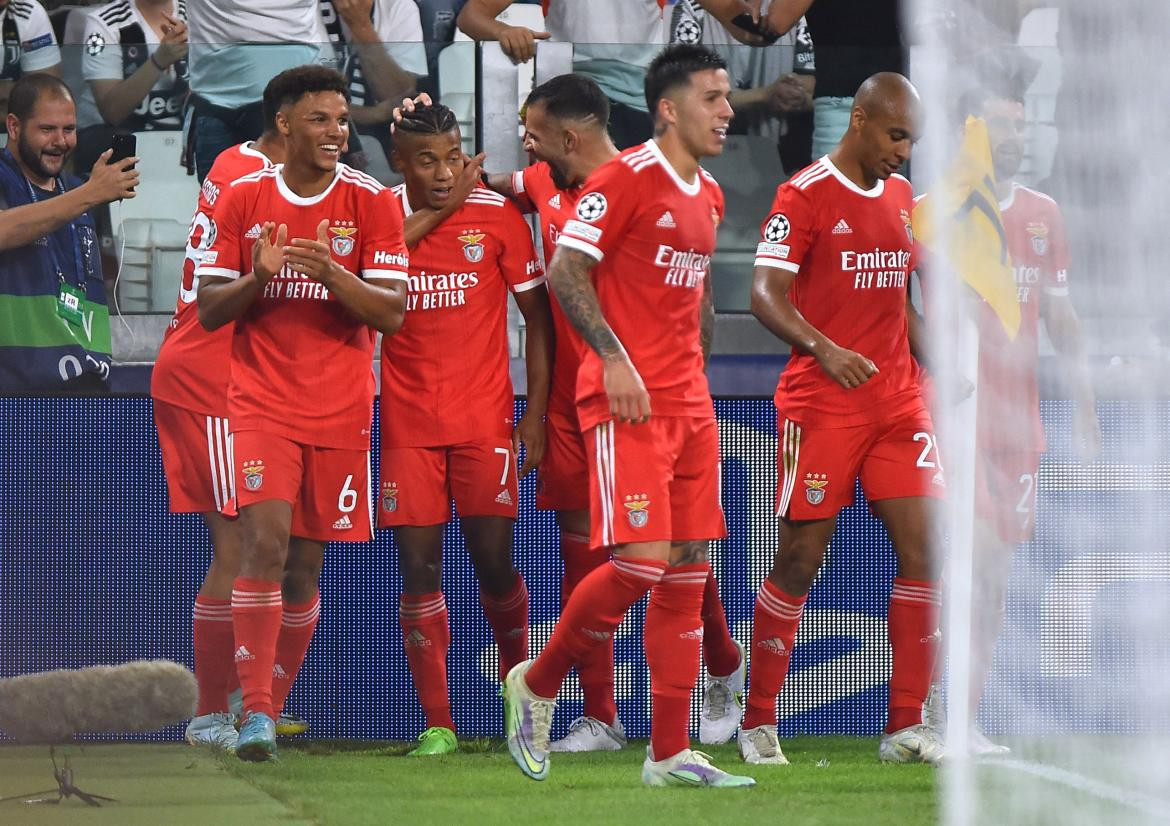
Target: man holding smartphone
x,y
54,325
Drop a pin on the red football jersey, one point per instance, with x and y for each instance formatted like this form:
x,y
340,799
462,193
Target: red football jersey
x,y
1007,367
653,235
555,206
302,365
445,376
853,251
191,370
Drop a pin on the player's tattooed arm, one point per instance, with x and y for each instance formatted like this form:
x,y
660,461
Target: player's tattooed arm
x,y
538,349
225,299
706,320
568,274
771,306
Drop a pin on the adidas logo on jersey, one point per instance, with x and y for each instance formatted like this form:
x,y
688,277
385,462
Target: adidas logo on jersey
x,y
555,201
842,228
342,524
254,232
666,221
243,654
504,498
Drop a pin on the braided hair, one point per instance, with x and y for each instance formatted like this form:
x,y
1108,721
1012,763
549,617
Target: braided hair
x,y
435,119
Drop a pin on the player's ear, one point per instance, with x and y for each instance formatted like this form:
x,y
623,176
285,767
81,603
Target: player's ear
x,y
282,123
570,140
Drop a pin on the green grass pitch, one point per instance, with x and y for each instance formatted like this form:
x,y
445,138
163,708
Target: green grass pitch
x,y
833,780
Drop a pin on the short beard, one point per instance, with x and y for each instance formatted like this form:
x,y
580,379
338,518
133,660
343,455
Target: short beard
x,y
32,159
559,178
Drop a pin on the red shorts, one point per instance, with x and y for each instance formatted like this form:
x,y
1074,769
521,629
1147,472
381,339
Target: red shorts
x,y
418,483
562,480
665,477
1005,492
817,468
197,459
328,488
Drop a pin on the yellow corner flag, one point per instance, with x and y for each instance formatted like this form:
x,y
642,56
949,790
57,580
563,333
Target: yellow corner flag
x,y
976,243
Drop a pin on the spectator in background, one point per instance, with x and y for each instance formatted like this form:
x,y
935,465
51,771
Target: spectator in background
x,y
380,52
770,84
29,44
134,62
438,27
54,325
237,46
854,39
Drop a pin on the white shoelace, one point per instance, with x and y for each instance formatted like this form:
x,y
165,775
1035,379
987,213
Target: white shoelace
x,y
542,716
765,742
718,698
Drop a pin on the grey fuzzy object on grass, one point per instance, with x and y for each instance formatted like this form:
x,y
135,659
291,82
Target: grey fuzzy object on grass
x,y
53,706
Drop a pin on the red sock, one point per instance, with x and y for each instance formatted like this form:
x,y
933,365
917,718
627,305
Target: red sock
x,y
595,669
427,637
776,620
672,639
719,648
596,608
214,641
256,613
508,617
913,626
296,631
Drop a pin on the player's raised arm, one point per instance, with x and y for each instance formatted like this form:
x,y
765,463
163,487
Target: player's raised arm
x,y
568,273
771,306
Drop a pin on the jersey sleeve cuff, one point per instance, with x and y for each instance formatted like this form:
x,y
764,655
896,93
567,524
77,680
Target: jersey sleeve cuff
x,y
532,283
518,182
580,246
762,261
216,272
385,275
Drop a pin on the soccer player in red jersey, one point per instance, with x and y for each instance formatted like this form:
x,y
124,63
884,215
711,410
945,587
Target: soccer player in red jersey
x,y
308,260
632,273
189,388
831,279
1009,434
446,427
565,122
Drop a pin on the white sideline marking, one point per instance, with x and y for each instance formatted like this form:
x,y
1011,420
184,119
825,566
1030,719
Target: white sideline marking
x,y
1153,806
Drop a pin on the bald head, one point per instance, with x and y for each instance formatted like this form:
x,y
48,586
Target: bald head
x,y
887,93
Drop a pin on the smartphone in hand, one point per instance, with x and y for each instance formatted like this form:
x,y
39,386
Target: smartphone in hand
x,y
123,146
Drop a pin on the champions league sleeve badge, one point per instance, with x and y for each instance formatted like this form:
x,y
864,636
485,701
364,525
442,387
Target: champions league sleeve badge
x,y
777,228
592,207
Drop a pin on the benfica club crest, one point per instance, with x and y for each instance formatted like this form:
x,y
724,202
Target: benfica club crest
x,y
343,239
815,484
253,474
636,507
1038,233
472,248
390,497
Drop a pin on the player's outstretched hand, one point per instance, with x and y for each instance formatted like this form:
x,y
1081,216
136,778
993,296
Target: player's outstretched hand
x,y
310,256
519,42
847,368
408,104
628,399
113,181
531,431
268,252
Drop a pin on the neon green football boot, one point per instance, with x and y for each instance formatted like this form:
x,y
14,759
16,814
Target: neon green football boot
x,y
435,740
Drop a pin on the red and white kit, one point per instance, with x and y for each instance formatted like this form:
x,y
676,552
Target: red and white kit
x,y
1010,435
853,251
190,377
653,235
447,401
302,384
563,476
